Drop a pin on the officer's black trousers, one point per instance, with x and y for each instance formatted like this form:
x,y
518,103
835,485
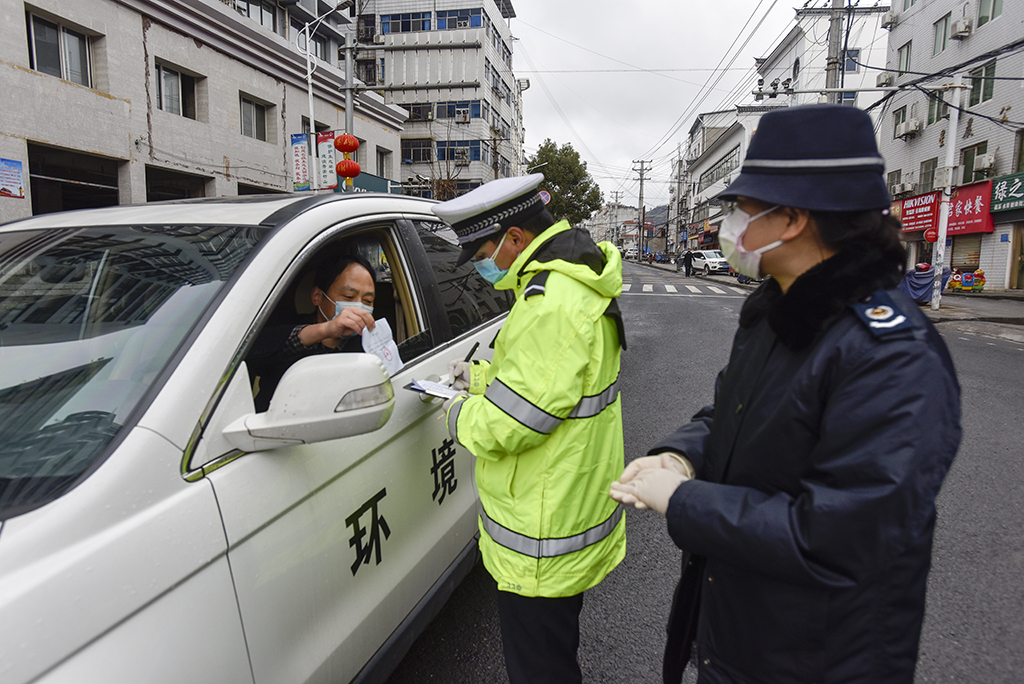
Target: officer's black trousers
x,y
540,637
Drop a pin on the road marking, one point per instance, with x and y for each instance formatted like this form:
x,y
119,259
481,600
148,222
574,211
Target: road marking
x,y
715,289
626,286
693,288
648,288
671,288
738,290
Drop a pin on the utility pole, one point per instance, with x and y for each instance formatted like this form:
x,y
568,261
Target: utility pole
x,y
939,253
679,194
835,43
640,210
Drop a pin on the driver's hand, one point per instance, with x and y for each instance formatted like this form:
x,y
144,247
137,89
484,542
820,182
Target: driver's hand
x,y
351,321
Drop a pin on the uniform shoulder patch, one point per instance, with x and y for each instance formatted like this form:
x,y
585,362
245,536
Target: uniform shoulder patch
x,y
882,315
537,285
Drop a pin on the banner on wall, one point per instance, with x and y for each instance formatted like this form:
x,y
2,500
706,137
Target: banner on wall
x,y
12,180
1008,192
300,162
326,160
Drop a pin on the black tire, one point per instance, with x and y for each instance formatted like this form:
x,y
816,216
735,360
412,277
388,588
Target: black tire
x,y
707,271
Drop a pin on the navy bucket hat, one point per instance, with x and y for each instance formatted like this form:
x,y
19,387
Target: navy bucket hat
x,y
816,157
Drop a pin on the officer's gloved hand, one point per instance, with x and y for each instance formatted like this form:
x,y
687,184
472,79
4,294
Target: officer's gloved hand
x,y
458,371
448,402
650,481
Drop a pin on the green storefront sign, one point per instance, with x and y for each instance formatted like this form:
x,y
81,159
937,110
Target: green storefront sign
x,y
366,182
1007,193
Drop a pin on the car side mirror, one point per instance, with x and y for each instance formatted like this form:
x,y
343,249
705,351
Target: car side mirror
x,y
320,398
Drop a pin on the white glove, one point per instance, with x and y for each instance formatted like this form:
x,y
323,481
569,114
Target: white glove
x,y
458,371
650,482
448,402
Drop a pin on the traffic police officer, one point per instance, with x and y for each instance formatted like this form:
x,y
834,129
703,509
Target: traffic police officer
x,y
544,420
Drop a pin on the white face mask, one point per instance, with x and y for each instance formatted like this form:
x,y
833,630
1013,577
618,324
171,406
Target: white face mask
x,y
730,235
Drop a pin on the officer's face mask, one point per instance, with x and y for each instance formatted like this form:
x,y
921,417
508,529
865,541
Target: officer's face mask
x,y
730,235
489,270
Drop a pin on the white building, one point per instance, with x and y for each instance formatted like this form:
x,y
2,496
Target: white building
x,y
450,65
718,140
126,101
930,42
607,222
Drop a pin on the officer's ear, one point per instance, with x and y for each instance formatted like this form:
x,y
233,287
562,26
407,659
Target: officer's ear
x,y
517,236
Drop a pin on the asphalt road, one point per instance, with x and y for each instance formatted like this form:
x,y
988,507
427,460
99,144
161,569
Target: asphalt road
x,y
678,340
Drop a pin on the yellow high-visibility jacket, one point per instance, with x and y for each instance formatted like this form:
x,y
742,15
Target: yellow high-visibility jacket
x,y
544,420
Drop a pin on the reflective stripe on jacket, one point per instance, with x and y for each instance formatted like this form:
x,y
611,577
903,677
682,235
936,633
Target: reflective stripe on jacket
x,y
547,431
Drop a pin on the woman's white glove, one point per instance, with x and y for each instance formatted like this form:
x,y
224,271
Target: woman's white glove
x,y
650,481
458,371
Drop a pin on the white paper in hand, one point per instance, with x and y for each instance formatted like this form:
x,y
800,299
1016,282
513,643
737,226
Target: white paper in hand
x,y
434,389
381,343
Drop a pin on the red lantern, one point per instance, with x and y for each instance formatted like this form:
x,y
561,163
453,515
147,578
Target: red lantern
x,y
346,143
347,168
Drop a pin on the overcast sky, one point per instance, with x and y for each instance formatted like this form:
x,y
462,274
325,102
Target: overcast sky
x,y
586,61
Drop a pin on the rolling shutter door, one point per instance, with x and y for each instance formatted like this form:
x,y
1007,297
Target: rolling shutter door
x,y
966,252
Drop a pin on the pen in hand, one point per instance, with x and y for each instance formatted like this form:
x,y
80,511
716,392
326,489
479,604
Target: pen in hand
x,y
468,357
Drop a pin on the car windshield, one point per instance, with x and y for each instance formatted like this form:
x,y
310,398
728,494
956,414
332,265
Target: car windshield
x,y
714,254
88,319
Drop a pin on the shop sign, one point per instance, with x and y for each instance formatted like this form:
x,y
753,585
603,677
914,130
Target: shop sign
x,y
969,209
931,234
919,213
1008,192
325,156
693,230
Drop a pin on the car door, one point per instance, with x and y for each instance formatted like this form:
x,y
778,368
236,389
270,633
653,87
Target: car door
x,y
333,545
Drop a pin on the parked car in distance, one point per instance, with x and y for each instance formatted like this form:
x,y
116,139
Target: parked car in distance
x,y
631,253
708,261
155,525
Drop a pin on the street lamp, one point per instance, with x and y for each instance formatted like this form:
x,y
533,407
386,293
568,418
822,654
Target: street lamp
x,y
308,30
536,167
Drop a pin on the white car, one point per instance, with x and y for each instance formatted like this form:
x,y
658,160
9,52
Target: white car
x,y
631,253
155,526
708,261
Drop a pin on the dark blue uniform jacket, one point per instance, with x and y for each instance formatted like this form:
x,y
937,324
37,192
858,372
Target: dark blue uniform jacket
x,y
808,532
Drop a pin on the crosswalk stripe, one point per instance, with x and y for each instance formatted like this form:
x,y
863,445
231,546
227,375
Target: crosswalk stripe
x,y
693,288
715,289
738,290
626,286
648,288
671,288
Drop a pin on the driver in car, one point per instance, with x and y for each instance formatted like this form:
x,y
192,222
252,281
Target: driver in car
x,y
342,294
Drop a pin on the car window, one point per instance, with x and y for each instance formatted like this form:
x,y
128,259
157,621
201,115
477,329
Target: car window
x,y
88,319
469,300
272,353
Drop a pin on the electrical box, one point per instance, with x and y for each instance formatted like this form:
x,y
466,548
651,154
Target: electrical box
x,y
944,177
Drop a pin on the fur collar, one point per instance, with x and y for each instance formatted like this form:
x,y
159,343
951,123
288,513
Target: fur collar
x,y
816,299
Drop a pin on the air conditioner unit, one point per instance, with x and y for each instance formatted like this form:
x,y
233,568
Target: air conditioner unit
x,y
888,20
896,189
960,28
461,116
913,125
901,130
984,162
883,80
378,39
464,23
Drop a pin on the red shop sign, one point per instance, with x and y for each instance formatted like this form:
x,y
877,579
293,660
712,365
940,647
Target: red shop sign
x,y
969,209
921,212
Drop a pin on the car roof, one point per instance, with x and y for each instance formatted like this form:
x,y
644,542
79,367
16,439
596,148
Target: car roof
x,y
247,210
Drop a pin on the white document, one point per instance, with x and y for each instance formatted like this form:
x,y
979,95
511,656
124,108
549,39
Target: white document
x,y
381,343
433,388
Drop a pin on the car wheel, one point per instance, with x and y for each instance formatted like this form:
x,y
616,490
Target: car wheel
x,y
707,271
